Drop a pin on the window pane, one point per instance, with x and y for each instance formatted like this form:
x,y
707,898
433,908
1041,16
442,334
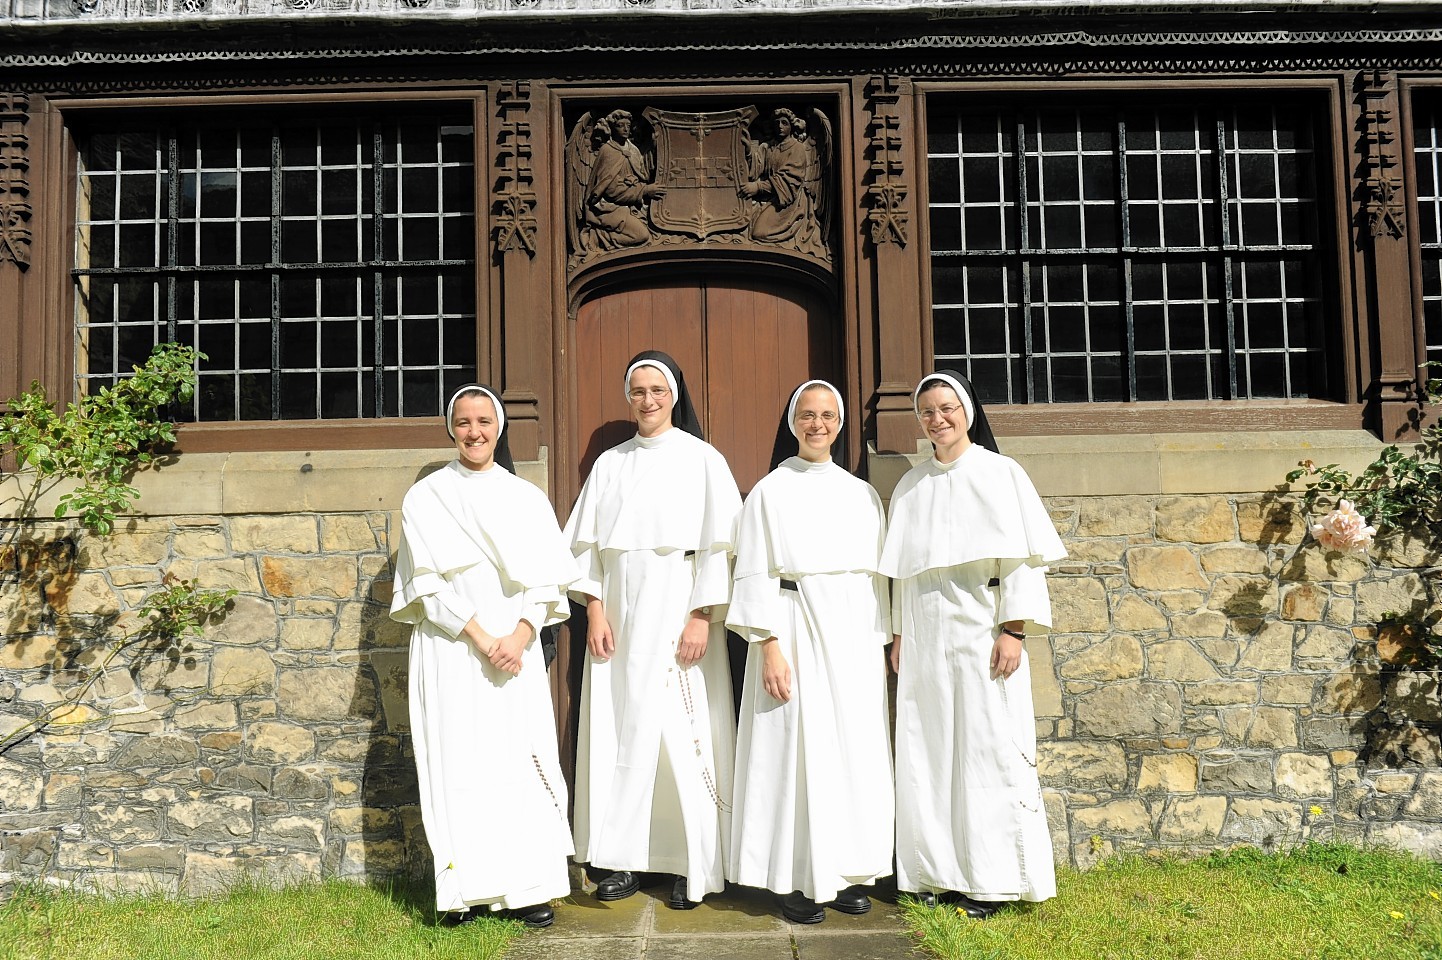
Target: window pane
x,y
285,312
1130,299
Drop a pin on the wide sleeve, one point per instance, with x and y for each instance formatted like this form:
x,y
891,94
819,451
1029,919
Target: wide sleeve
x,y
420,592
543,606
581,536
447,611
712,584
1023,595
754,612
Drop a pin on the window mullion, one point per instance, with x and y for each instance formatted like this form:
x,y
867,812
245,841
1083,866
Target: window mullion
x,y
1229,305
1129,332
1024,246
276,224
377,277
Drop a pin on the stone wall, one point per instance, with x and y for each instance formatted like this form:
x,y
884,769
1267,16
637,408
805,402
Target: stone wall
x,y
1212,680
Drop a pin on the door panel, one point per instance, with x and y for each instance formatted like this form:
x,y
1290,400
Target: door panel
x,y
744,344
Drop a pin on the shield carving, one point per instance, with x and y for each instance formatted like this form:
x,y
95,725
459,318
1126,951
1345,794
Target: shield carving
x,y
701,161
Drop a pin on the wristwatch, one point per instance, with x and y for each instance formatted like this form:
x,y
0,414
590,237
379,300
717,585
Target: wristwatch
x,y
1012,633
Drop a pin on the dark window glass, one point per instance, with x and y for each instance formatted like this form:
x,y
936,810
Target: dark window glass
x,y
1427,138
1141,251
273,264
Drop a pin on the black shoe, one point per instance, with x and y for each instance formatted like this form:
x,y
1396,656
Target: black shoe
x,y
852,901
618,886
678,899
537,917
925,897
799,908
976,909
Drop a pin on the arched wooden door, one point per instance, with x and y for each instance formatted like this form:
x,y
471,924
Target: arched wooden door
x,y
744,344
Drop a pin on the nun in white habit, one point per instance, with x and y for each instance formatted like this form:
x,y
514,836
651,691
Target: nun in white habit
x,y
481,568
813,816
652,530
967,548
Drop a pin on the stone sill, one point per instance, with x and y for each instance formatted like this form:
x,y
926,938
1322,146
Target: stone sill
x,y
1160,463
346,481
318,481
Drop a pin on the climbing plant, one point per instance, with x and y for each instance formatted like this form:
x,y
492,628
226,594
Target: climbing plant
x,y
1401,489
100,440
98,443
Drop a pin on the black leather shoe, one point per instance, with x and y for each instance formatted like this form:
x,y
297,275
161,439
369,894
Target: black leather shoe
x,y
541,915
976,909
925,897
678,899
618,886
799,908
852,901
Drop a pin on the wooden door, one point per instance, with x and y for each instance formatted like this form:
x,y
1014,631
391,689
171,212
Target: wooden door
x,y
744,344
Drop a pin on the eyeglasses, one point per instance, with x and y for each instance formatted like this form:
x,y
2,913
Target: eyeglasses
x,y
656,393
811,416
945,410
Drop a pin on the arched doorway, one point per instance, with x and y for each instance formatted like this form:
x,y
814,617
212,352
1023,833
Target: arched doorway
x,y
744,342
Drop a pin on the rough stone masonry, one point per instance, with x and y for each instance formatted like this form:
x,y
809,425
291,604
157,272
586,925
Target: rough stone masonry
x,y
1211,679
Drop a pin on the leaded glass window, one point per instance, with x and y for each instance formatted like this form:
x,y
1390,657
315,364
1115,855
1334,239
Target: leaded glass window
x,y
1427,142
325,266
1136,252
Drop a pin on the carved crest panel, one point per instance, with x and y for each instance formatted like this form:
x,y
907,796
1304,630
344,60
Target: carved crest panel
x,y
740,177
701,163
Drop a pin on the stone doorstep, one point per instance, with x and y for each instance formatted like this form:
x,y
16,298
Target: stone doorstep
x,y
740,924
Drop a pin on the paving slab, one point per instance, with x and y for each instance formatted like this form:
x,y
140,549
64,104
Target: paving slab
x,y
777,946
831,945
737,910
535,945
619,918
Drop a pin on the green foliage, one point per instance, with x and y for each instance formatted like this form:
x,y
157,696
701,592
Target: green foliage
x,y
1315,902
103,438
180,607
1400,489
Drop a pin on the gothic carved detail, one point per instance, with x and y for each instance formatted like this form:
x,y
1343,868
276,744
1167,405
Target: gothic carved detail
x,y
15,208
514,196
689,178
886,187
1383,203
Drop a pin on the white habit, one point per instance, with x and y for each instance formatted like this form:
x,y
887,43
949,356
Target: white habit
x,y
484,544
814,801
969,813
652,530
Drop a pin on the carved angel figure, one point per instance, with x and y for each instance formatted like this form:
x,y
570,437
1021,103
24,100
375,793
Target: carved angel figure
x,y
788,179
608,184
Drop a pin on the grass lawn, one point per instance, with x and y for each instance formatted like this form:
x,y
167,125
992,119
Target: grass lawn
x,y
1316,903
322,921
1319,902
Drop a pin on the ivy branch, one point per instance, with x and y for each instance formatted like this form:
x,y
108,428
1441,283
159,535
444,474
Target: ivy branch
x,y
177,610
1400,489
101,439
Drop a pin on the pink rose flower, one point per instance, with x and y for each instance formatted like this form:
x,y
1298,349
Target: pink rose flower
x,y
1344,530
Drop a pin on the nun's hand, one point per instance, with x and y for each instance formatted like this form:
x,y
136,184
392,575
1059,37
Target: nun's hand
x,y
1005,656
693,640
598,631
510,648
896,654
484,643
775,671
